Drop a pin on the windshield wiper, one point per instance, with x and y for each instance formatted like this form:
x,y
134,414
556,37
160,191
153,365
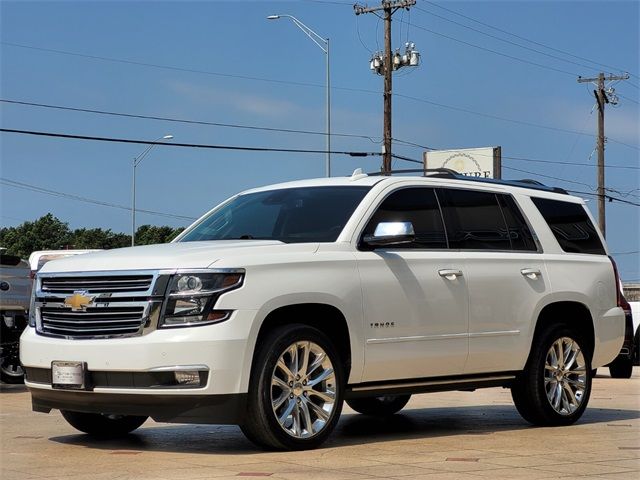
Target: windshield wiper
x,y
245,236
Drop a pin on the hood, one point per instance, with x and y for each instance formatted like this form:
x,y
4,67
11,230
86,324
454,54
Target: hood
x,y
171,255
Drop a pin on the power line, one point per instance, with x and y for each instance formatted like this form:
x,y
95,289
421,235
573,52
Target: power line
x,y
25,186
526,39
495,52
316,85
518,158
183,69
283,130
162,66
575,183
511,120
627,98
609,197
503,39
186,145
183,120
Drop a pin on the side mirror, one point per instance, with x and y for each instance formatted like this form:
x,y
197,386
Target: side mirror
x,y
390,233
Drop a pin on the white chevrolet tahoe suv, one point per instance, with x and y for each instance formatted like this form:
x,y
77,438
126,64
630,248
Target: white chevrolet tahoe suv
x,y
285,301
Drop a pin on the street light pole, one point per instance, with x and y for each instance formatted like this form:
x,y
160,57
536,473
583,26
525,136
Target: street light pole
x,y
323,43
136,161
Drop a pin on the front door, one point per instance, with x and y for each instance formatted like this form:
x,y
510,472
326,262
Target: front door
x,y
415,296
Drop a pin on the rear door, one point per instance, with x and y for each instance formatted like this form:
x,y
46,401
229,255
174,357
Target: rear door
x,y
504,271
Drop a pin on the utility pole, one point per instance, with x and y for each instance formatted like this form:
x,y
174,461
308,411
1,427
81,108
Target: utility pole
x,y
386,64
602,98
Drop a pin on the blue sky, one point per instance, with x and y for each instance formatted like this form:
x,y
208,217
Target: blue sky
x,y
234,38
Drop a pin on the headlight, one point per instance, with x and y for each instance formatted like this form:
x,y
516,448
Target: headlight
x,y
191,298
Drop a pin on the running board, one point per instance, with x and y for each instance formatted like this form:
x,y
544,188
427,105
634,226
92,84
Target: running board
x,y
433,384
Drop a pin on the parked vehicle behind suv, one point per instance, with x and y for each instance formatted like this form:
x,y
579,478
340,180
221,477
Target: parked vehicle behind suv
x,y
15,291
285,301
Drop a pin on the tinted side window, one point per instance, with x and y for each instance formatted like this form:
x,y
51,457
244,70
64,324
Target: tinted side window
x,y
474,220
571,226
519,232
418,206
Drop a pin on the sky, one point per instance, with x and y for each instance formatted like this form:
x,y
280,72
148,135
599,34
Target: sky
x,y
223,62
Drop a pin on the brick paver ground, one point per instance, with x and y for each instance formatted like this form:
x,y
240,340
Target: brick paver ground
x,y
453,435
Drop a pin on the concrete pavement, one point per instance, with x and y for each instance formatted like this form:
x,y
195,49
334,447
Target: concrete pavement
x,y
452,435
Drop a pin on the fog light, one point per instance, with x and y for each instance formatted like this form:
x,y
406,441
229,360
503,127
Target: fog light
x,y
189,378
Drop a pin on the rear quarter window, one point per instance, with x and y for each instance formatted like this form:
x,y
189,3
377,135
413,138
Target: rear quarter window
x,y
571,226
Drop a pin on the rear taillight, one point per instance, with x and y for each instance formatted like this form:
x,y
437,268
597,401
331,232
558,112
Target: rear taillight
x,y
620,300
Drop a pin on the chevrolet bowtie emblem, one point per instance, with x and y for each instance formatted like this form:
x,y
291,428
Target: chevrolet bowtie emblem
x,y
78,301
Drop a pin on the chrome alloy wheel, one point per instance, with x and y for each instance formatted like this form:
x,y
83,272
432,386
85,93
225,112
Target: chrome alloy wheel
x,y
565,376
303,389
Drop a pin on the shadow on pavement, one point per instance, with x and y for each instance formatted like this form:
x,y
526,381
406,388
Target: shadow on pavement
x,y
352,429
12,388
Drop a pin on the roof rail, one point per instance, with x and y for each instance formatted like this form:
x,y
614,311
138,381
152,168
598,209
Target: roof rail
x,y
452,174
441,171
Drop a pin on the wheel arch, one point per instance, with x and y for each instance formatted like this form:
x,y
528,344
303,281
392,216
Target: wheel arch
x,y
571,313
324,316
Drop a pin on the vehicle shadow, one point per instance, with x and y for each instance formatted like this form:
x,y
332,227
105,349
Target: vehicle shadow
x,y
12,388
353,429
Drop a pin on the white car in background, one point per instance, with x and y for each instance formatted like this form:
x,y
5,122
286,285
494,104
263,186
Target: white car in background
x,y
38,258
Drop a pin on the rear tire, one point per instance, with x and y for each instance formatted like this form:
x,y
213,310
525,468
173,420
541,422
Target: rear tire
x,y
379,406
103,425
621,368
555,385
296,389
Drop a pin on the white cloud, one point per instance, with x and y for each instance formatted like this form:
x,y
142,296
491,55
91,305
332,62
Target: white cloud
x,y
622,123
240,101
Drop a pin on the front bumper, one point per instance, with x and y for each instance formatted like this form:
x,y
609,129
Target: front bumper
x,y
223,349
218,409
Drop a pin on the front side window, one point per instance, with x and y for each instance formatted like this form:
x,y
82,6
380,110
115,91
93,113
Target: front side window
x,y
291,215
474,220
418,206
570,225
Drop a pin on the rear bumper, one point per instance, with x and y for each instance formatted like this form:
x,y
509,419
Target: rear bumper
x,y
610,336
214,409
628,349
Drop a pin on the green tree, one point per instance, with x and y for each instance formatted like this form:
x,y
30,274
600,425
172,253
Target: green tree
x,y
46,233
50,233
149,234
99,238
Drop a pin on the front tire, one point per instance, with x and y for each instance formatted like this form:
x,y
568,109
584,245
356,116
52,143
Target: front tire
x,y
295,391
379,406
103,425
555,386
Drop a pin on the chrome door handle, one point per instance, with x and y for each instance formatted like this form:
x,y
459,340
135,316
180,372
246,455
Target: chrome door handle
x,y
531,273
450,274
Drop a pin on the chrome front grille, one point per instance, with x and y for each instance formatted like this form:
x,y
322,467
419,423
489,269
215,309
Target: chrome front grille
x,y
96,284
95,321
98,305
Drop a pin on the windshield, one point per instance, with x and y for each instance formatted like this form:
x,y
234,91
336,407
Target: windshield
x,y
292,215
